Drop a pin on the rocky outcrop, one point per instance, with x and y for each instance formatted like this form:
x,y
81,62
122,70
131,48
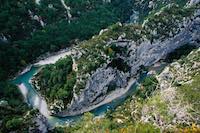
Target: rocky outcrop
x,y
40,125
148,53
144,54
194,2
97,89
68,10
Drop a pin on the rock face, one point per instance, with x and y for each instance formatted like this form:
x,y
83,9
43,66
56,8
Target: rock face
x,y
97,88
134,17
194,2
100,81
147,54
41,125
144,54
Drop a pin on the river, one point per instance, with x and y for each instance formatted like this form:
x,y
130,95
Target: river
x,y
33,98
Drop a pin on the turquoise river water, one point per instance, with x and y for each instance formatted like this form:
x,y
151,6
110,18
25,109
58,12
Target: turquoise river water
x,y
32,94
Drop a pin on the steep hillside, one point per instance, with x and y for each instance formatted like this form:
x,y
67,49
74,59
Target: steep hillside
x,y
29,28
113,46
166,101
100,77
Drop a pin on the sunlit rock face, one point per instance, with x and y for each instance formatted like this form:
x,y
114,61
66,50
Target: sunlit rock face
x,y
37,2
148,53
3,39
97,88
194,2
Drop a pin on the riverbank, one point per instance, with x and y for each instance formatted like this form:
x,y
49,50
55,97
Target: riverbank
x,y
53,57
39,101
47,58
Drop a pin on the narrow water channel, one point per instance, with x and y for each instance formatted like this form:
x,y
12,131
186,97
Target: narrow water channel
x,y
33,98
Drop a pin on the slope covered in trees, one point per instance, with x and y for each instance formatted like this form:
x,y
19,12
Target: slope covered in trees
x,y
29,29
15,115
56,82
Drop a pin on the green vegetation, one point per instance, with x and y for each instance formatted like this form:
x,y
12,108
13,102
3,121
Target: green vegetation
x,y
27,38
113,50
97,51
145,10
147,87
8,93
119,121
149,102
125,117
15,115
104,125
169,19
56,81
188,85
144,91
191,92
157,106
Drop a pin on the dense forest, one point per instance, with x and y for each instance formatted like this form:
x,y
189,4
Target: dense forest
x,y
29,29
56,82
